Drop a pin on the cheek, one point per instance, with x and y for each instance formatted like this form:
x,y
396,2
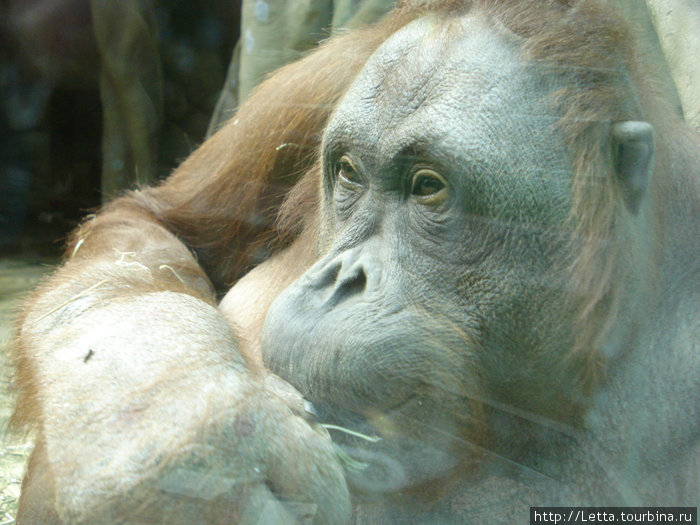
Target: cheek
x,y
242,306
246,304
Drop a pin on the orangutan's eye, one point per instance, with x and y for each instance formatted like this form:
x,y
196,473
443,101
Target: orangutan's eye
x,y
429,187
346,174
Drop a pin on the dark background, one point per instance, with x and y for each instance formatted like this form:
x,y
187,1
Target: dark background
x,y
51,111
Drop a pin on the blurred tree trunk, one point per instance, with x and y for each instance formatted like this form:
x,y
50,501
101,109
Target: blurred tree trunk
x,y
274,33
677,23
131,90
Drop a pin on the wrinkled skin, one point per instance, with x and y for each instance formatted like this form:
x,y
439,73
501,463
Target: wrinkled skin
x,y
429,302
398,307
421,305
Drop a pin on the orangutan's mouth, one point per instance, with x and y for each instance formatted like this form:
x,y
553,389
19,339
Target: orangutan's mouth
x,y
377,455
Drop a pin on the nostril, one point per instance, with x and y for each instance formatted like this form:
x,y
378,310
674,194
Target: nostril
x,y
328,277
355,284
348,284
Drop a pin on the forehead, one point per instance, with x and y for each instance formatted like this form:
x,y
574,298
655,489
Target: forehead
x,y
457,85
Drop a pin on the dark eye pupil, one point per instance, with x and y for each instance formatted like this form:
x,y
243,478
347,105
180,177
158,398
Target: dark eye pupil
x,y
347,172
425,186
